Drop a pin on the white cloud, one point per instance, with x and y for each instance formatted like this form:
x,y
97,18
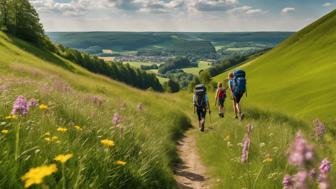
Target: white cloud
x,y
246,10
328,4
287,10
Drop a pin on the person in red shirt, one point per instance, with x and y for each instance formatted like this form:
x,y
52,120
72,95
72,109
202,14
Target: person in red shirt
x,y
220,99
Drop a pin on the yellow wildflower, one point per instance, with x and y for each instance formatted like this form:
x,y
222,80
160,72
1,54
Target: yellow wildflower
x,y
36,175
78,128
11,117
268,158
119,162
227,138
107,142
63,158
43,107
5,131
62,129
51,139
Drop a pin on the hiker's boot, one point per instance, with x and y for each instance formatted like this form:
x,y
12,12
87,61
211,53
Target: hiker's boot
x,y
241,117
235,117
202,125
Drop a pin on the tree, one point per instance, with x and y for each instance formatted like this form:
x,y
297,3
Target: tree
x,y
171,86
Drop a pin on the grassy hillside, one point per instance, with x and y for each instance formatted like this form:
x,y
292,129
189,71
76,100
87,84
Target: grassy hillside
x,y
144,129
296,78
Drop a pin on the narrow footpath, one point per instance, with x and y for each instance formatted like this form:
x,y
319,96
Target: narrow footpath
x,y
191,174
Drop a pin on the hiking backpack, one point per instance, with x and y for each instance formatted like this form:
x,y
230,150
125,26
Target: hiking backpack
x,y
221,93
239,82
200,92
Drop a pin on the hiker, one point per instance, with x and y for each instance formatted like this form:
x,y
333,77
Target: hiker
x,y
201,104
220,98
237,85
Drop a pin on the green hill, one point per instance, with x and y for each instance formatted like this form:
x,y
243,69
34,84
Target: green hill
x,y
143,125
297,77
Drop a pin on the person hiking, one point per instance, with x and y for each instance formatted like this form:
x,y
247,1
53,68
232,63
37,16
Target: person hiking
x,y
237,85
201,104
220,99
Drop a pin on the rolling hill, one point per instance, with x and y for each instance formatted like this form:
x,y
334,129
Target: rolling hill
x,y
297,77
117,135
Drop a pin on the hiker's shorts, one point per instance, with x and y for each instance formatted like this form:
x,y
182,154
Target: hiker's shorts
x,y
238,97
220,101
201,114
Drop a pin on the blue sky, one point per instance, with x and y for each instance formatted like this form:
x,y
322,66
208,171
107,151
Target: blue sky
x,y
180,15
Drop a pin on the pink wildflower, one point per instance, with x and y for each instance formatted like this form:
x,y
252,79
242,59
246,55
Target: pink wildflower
x,y
245,149
300,152
323,180
300,180
319,129
287,182
32,103
116,119
20,106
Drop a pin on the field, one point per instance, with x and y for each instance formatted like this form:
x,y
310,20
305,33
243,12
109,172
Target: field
x,y
114,136
202,65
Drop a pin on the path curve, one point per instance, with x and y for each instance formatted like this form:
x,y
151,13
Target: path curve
x,y
191,173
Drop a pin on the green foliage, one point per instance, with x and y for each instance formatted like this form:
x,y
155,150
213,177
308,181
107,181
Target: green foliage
x,y
118,71
20,19
171,86
175,63
149,67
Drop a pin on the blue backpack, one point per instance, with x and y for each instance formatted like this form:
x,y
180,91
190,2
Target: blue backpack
x,y
239,82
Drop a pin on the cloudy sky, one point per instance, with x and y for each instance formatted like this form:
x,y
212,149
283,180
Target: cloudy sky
x,y
180,15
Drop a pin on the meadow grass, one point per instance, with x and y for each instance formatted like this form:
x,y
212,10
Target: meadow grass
x,y
202,65
295,78
144,138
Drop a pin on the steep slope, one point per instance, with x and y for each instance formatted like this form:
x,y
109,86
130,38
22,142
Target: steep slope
x,y
297,77
142,125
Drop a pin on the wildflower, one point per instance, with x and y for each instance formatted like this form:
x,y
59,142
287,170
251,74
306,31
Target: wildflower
x,y
312,173
5,131
245,149
78,128
43,107
140,106
229,144
51,139
323,180
287,182
63,158
32,103
319,129
300,179
227,138
20,106
107,142
36,175
300,152
116,119
12,117
62,129
261,145
268,159
119,162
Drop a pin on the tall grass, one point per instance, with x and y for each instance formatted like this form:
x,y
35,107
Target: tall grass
x,y
145,139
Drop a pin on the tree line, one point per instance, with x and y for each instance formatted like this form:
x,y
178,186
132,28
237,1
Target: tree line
x,y
20,19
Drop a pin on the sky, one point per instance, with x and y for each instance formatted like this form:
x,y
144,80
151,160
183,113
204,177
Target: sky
x,y
180,15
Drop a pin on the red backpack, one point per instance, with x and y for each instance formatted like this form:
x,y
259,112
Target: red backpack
x,y
221,93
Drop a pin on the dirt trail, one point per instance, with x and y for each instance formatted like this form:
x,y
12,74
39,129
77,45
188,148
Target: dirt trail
x,y
191,174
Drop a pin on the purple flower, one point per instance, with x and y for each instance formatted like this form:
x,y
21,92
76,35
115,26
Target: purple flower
x,y
325,166
300,180
319,129
32,103
20,106
245,149
312,173
116,119
287,182
300,152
